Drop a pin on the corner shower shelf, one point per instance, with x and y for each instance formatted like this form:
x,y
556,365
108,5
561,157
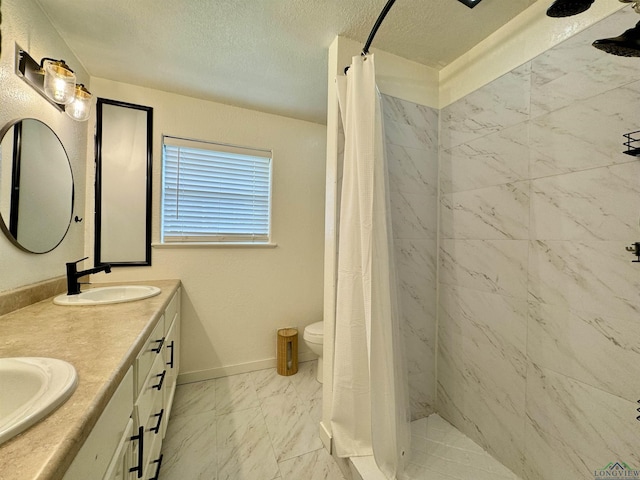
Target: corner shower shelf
x,y
632,143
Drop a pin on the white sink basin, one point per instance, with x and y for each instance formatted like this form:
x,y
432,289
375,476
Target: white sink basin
x,y
106,295
30,389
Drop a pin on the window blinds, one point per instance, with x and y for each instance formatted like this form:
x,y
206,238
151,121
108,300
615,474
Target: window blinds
x,y
214,193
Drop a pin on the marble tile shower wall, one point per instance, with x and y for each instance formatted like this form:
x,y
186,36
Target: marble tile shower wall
x,y
539,332
411,133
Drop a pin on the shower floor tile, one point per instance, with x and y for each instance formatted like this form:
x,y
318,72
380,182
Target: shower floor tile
x,y
440,452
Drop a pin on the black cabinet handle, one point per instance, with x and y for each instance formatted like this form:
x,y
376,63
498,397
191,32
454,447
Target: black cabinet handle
x,y
160,342
140,438
159,384
172,347
156,429
159,462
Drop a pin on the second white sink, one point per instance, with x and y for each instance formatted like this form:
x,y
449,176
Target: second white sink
x,y
106,295
30,389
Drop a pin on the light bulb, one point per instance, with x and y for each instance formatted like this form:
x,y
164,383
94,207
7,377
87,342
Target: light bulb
x,y
59,82
80,108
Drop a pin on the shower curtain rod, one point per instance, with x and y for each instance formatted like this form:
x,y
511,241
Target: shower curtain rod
x,y
374,30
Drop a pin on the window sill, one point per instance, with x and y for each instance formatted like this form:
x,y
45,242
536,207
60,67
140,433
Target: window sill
x,y
214,245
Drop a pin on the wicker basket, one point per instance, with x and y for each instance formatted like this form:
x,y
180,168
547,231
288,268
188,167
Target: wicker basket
x,y
287,354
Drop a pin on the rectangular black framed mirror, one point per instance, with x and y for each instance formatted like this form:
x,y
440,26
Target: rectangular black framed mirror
x,y
124,133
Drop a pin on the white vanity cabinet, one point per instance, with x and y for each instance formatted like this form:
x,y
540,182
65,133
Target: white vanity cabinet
x,y
156,371
126,442
171,355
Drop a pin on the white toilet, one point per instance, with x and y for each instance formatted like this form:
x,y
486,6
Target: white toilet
x,y
313,338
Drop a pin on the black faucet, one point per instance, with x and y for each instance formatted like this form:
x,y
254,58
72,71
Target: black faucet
x,y
73,275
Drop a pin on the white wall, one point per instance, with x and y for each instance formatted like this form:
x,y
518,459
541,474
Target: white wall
x,y
236,298
24,23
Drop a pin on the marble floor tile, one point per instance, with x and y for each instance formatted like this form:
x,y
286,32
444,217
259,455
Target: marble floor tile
x,y
202,444
314,409
291,429
268,383
215,441
192,398
416,471
189,448
440,452
446,451
316,465
305,383
234,393
243,447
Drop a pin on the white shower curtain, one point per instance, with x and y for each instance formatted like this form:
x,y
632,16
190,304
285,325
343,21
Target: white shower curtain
x,y
370,406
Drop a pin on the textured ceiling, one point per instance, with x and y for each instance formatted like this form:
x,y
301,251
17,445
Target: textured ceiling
x,y
268,55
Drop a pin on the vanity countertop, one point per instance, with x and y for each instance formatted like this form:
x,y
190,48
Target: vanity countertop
x,y
101,342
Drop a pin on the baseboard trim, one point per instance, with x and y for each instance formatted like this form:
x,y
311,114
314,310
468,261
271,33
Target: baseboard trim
x,y
211,373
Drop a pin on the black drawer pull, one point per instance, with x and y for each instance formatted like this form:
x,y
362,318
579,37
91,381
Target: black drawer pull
x,y
172,347
160,342
156,429
140,438
159,384
159,462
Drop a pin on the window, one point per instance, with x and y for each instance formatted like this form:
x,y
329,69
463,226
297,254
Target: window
x,y
214,192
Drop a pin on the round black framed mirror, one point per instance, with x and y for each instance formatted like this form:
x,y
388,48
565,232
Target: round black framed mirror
x,y
36,186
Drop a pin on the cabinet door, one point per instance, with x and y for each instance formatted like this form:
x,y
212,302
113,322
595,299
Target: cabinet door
x,y
98,450
119,467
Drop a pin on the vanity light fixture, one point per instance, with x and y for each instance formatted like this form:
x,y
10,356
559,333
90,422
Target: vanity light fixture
x,y
55,81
